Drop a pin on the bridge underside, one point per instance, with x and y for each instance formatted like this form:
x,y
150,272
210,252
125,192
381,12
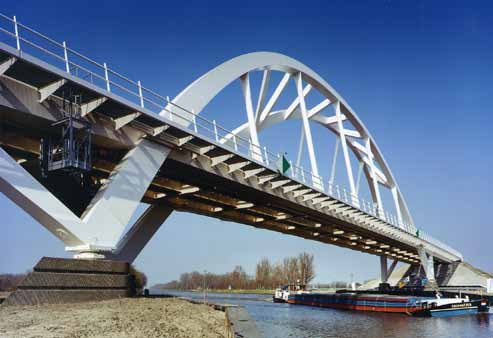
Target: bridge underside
x,y
186,188
199,175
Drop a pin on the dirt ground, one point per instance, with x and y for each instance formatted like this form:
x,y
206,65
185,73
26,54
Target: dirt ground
x,y
137,317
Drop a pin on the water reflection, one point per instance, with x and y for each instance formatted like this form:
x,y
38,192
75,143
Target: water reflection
x,y
298,321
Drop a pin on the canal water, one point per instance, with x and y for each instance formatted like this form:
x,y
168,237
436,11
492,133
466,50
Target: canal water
x,y
298,321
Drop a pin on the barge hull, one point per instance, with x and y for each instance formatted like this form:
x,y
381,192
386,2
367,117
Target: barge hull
x,y
457,309
393,309
374,303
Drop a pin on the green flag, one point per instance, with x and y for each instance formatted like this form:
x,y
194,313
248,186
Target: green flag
x,y
282,165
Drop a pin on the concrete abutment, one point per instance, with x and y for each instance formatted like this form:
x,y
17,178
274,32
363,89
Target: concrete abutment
x,y
65,280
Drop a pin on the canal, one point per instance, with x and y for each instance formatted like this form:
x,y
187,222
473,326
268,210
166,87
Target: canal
x,y
298,321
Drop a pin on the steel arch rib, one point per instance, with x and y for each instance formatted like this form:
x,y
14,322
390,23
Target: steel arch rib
x,y
199,93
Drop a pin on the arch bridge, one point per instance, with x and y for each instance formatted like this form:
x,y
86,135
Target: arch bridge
x,y
162,152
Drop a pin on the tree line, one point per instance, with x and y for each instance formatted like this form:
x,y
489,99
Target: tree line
x,y
291,270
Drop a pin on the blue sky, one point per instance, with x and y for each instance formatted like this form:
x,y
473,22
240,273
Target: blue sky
x,y
419,75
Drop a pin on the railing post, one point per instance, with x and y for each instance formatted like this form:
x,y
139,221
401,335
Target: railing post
x,y
266,155
355,201
258,152
106,77
140,94
215,130
16,30
194,120
235,143
302,175
65,56
338,191
168,105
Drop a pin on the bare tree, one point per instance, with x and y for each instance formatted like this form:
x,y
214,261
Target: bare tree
x,y
278,277
238,278
293,270
285,270
306,267
263,273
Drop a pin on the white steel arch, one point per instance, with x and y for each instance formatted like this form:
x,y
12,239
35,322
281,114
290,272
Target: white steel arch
x,y
359,140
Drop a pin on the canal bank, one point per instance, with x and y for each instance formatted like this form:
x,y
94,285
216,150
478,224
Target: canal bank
x,y
126,317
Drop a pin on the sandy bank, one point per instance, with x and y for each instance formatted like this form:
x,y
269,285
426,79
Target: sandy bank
x,y
138,317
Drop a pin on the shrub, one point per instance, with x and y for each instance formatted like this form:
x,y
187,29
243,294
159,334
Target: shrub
x,y
9,281
139,279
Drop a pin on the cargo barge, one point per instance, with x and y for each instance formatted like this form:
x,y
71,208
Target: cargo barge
x,y
411,305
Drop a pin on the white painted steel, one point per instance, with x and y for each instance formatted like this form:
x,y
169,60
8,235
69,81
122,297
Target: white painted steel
x,y
427,262
184,109
198,94
132,243
374,188
101,226
65,55
245,85
5,65
307,131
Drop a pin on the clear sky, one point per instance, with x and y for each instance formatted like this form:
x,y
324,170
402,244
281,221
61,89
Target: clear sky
x,y
418,73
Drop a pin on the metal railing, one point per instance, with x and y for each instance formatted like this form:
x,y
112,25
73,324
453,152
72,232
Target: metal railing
x,y
60,55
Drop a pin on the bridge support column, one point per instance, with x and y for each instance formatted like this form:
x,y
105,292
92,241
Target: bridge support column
x,y
385,272
383,269
428,264
138,236
96,233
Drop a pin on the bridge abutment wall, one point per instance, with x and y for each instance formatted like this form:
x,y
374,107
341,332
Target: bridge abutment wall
x,y
62,280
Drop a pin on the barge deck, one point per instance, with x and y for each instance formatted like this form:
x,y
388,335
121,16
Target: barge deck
x,y
359,302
